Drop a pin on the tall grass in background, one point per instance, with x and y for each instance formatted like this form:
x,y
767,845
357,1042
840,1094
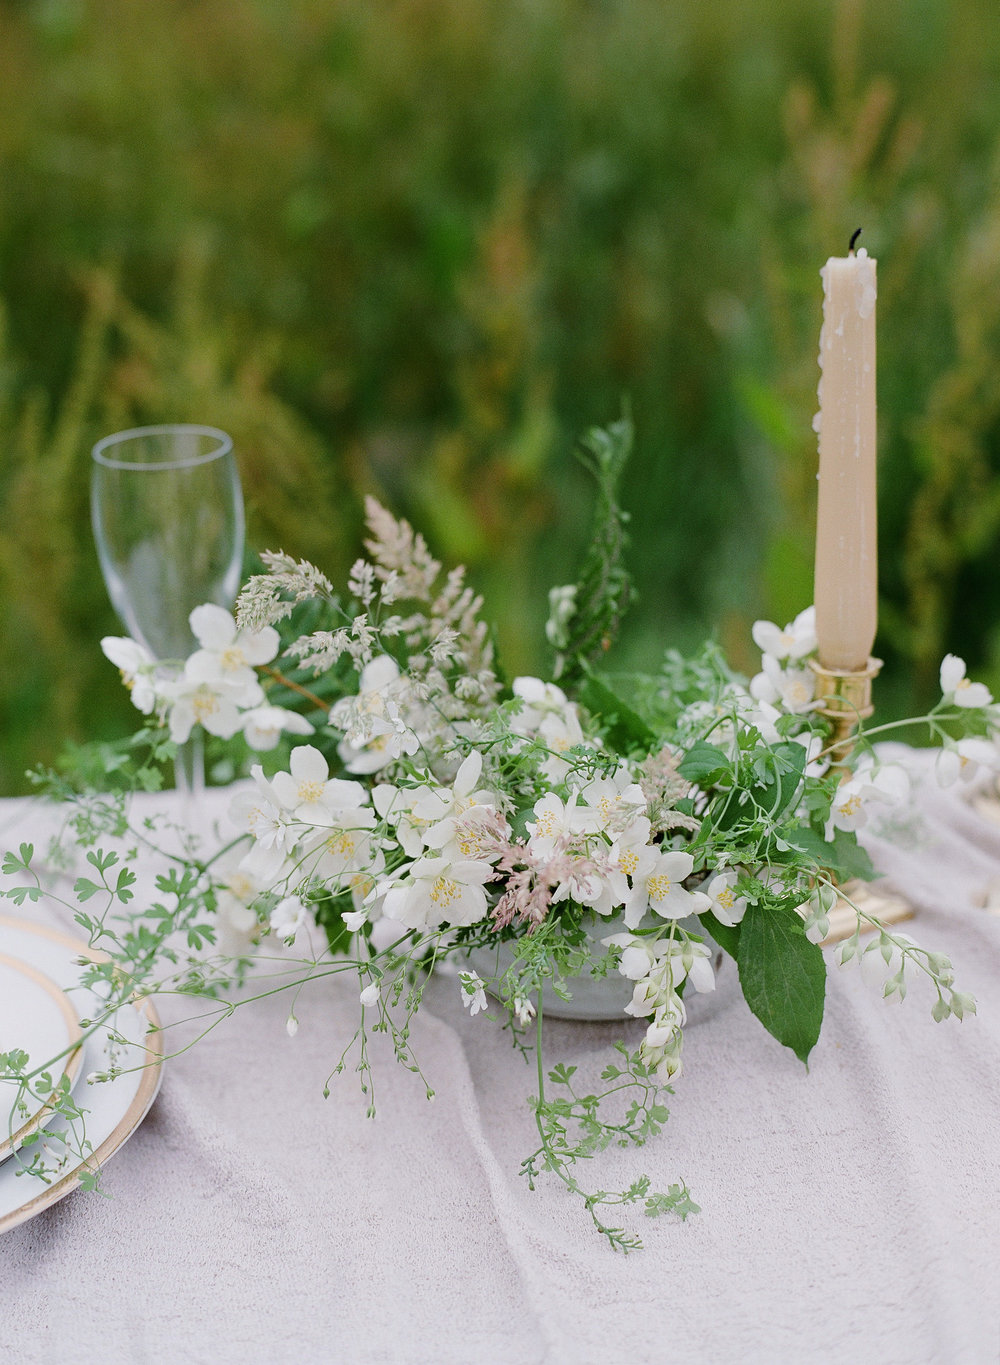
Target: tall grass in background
x,y
416,246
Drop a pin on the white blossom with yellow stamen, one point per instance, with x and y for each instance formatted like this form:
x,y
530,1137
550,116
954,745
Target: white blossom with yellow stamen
x,y
227,654
436,891
137,667
726,906
309,793
657,885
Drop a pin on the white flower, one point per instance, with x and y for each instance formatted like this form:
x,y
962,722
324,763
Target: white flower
x,y
727,907
473,993
656,885
263,725
793,689
435,891
235,891
396,806
618,801
310,793
370,994
213,705
888,784
794,642
540,699
346,856
375,731
548,715
955,684
962,761
524,1010
258,812
354,919
438,809
228,655
288,917
816,913
558,820
137,667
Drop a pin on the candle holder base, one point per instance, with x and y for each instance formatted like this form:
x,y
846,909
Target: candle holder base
x,y
887,907
846,697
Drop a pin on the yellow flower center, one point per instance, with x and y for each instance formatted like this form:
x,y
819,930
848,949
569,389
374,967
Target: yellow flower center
x,y
444,891
725,898
232,658
851,806
659,888
204,703
963,682
546,824
629,861
343,844
311,791
241,886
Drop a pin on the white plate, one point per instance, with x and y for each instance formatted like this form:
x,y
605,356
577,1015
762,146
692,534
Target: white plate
x,y
115,1108
37,1017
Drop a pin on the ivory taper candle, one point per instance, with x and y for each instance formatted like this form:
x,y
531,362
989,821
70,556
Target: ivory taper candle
x,y
846,523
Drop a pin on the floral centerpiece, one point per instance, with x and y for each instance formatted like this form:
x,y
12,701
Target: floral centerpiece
x,y
429,813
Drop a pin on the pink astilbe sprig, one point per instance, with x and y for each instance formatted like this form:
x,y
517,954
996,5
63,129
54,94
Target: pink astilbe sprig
x,y
534,882
662,786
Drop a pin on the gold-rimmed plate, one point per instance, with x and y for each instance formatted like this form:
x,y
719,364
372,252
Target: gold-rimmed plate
x,y
114,1109
36,1016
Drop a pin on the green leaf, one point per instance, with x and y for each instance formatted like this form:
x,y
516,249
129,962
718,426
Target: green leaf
x,y
85,889
22,893
704,763
624,728
126,879
783,976
12,863
842,855
790,760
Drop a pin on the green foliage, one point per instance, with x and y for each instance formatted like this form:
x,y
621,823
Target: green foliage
x,y
783,975
600,598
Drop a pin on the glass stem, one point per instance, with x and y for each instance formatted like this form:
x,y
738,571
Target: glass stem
x,y
189,769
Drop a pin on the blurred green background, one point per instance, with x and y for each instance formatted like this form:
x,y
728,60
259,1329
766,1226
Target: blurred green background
x,y
415,247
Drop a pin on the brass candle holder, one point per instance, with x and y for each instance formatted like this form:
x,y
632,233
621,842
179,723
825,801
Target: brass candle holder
x,y
847,698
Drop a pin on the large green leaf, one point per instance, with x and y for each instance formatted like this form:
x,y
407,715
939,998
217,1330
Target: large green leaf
x,y
704,763
783,976
843,855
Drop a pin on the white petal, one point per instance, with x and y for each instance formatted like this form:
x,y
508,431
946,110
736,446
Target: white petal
x,y
308,764
952,672
259,647
214,627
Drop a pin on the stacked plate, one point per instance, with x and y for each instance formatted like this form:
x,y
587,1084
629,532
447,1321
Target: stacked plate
x,y
41,1005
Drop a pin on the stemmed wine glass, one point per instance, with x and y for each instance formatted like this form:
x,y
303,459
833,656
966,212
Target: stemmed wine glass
x,y
167,511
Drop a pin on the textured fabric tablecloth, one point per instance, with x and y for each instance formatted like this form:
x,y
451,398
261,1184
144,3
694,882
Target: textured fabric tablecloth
x,y
850,1214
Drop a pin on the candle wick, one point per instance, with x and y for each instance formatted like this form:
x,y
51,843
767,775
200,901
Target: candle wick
x,y
854,238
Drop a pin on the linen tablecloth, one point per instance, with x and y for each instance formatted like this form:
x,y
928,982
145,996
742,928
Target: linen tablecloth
x,y
851,1213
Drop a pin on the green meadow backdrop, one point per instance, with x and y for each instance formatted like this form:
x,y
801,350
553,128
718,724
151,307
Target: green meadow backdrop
x,y
415,247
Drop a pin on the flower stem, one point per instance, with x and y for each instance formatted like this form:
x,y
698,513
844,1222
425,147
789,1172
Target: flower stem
x,y
278,676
